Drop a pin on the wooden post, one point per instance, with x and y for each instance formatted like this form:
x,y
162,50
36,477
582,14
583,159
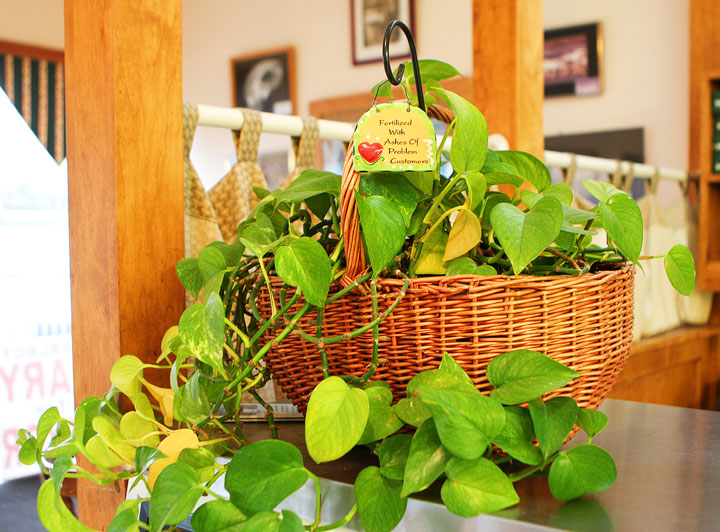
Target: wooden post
x,y
124,145
507,70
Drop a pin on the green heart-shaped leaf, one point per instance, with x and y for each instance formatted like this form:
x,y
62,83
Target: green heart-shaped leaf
x,y
138,430
335,420
125,521
287,521
383,229
188,271
382,419
202,330
53,513
524,236
258,239
412,411
561,191
591,421
231,252
466,422
581,470
680,269
493,164
449,365
210,261
528,166
218,516
553,420
503,178
201,460
622,219
190,403
124,374
379,502
393,454
522,375
600,190
174,495
461,266
98,452
310,183
432,69
426,459
394,187
478,185
470,136
445,378
491,201
476,487
306,265
261,475
113,439
516,438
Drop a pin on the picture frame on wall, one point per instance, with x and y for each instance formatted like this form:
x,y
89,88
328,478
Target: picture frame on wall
x,y
573,59
265,81
369,19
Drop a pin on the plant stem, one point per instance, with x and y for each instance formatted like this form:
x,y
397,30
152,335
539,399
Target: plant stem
x,y
497,257
318,501
269,414
345,520
418,244
269,286
450,127
564,257
237,331
321,345
357,282
376,332
279,338
274,318
335,223
440,220
226,431
357,332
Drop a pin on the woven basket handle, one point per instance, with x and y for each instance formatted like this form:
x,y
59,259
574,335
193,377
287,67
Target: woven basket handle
x,y
350,222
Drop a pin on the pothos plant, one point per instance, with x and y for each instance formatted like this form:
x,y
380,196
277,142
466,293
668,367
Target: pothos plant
x,y
450,222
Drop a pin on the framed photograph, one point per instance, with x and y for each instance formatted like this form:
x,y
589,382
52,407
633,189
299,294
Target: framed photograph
x,y
572,60
265,81
369,20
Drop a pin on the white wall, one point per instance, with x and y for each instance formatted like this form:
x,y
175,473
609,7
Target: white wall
x,y
645,71
645,64
33,22
217,30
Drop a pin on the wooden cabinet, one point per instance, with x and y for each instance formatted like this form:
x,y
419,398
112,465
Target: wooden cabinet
x,y
676,368
704,78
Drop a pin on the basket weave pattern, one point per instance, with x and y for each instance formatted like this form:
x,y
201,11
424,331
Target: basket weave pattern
x,y
585,322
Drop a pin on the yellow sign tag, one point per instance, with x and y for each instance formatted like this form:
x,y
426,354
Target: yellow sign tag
x,y
394,137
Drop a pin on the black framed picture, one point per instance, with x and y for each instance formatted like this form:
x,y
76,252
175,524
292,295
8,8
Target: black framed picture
x,y
265,81
369,19
572,60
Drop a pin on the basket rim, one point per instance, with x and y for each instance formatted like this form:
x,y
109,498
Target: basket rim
x,y
464,281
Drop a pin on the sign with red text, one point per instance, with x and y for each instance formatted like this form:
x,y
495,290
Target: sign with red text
x,y
394,137
34,375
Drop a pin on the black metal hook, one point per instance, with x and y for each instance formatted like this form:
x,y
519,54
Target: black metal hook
x,y
396,80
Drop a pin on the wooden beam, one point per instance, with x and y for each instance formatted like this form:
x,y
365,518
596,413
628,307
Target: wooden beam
x,y
124,137
507,69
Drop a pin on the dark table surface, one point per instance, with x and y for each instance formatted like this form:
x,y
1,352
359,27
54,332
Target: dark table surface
x,y
668,462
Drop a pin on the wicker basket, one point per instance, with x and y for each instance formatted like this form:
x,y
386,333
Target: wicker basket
x,y
585,322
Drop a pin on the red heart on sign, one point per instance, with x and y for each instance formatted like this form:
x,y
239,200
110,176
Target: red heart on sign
x,y
370,152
